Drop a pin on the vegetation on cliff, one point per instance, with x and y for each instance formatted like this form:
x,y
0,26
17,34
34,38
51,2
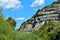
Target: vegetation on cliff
x,y
49,31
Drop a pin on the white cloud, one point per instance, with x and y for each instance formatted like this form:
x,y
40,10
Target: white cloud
x,y
37,3
20,18
10,4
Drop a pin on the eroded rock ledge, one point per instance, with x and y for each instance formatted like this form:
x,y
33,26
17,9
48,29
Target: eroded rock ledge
x,y
46,14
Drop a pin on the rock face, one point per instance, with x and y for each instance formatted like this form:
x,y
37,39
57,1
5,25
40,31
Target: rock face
x,y
50,12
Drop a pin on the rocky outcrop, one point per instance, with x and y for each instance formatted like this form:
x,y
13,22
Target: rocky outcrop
x,y
50,12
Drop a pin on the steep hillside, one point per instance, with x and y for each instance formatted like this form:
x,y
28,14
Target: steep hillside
x,y
49,31
46,14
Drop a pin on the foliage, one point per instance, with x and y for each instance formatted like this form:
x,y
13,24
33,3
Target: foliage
x,y
12,22
49,31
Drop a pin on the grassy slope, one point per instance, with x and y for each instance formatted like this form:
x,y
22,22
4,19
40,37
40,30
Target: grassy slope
x,y
49,31
6,33
25,36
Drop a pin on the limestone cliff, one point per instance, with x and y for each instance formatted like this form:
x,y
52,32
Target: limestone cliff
x,y
46,14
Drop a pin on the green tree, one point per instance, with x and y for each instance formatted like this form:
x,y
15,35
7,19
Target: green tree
x,y
12,22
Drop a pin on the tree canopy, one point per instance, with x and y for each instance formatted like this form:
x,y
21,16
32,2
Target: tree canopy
x,y
12,22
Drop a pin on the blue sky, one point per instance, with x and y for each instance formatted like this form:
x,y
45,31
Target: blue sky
x,y
21,10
